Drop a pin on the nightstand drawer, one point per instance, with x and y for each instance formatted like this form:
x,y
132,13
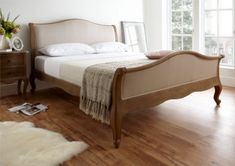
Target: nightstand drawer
x,y
13,68
11,60
12,72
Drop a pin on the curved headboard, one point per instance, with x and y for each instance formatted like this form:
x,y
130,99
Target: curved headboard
x,y
69,31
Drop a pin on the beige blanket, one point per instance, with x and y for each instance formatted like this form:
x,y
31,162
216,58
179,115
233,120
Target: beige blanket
x,y
95,97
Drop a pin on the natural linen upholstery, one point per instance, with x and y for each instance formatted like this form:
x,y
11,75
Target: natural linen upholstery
x,y
71,31
179,70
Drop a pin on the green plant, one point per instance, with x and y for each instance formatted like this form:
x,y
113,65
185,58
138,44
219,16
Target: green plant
x,y
2,31
7,27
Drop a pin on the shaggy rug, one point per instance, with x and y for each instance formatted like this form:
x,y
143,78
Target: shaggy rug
x,y
22,144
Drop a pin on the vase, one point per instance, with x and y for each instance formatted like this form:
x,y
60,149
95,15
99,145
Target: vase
x,y
4,43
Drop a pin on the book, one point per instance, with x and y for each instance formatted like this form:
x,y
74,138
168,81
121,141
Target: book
x,y
29,109
5,50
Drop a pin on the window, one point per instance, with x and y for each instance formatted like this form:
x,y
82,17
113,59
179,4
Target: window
x,y
203,25
182,24
218,29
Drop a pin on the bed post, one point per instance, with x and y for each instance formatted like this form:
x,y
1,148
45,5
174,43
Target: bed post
x,y
33,54
116,124
32,80
117,111
218,89
32,74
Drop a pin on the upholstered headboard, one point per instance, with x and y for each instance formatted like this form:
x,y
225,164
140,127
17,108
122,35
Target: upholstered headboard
x,y
69,31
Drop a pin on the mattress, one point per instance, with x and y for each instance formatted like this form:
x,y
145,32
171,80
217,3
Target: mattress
x,y
77,64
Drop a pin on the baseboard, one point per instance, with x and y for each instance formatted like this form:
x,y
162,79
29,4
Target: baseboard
x,y
228,81
11,89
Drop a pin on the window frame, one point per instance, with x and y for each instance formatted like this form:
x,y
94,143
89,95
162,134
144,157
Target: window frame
x,y
198,35
170,34
202,10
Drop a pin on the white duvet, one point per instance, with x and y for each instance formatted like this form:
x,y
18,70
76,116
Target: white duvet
x,y
71,68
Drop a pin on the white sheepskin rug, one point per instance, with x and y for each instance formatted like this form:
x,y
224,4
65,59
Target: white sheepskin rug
x,y
22,144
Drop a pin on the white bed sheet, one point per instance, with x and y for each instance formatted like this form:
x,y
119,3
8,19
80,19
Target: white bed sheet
x,y
78,64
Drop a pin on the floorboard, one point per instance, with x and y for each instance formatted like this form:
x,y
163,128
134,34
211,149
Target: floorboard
x,y
188,131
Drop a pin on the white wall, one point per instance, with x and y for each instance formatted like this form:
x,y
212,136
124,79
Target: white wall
x,y
100,11
155,18
153,24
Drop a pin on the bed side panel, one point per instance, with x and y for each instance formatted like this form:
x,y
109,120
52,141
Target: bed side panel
x,y
176,71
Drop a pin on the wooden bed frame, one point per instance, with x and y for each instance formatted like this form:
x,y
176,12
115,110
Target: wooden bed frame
x,y
138,88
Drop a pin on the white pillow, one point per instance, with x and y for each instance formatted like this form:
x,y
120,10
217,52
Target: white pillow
x,y
66,49
106,47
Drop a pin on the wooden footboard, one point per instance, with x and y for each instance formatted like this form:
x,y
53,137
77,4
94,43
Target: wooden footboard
x,y
172,77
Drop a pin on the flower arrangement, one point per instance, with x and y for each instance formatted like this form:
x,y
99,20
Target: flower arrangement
x,y
7,27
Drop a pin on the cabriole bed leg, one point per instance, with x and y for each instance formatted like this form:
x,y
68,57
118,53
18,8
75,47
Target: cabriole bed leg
x,y
32,82
218,89
116,124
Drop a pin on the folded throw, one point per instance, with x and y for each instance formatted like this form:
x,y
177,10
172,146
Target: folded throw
x,y
96,90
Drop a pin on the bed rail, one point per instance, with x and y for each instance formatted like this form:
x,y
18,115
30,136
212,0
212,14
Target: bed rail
x,y
172,77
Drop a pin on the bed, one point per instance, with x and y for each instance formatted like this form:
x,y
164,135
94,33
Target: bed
x,y
172,77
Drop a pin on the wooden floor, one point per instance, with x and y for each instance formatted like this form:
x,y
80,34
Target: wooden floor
x,y
188,131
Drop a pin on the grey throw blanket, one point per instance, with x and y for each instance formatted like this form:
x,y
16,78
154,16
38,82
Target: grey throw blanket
x,y
95,97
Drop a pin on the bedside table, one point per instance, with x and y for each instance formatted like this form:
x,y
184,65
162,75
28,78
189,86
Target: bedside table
x,y
13,68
